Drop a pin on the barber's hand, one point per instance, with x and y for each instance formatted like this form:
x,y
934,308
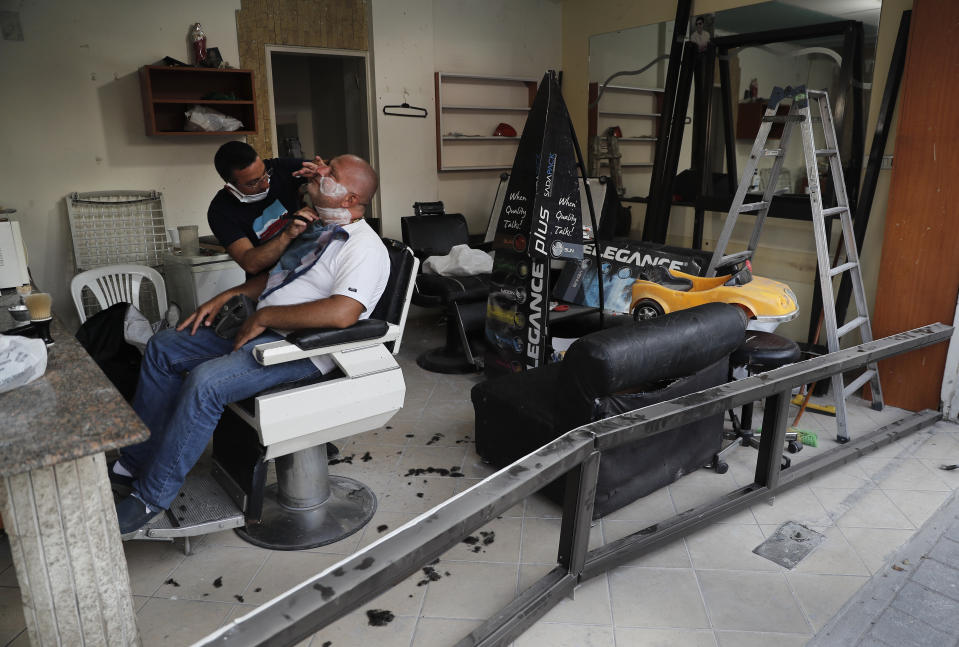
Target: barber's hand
x,y
251,328
300,221
313,169
308,171
204,314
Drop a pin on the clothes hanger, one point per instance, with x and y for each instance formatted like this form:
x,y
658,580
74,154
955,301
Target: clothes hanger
x,y
405,110
398,110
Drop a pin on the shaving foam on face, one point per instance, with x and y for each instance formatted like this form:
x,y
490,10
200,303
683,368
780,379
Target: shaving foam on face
x,y
334,216
332,189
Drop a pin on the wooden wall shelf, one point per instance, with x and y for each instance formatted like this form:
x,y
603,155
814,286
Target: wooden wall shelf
x,y
473,105
169,91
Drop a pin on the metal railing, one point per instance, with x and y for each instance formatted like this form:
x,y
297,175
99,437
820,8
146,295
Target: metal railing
x,y
340,589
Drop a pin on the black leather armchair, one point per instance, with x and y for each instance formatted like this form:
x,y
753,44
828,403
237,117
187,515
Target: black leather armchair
x,y
433,232
609,372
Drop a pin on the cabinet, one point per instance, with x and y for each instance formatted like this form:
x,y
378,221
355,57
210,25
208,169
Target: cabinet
x,y
637,113
468,110
169,91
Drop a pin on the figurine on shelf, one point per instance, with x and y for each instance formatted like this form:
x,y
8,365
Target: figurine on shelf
x,y
198,43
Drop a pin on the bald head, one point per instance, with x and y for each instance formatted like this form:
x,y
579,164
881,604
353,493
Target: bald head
x,y
357,175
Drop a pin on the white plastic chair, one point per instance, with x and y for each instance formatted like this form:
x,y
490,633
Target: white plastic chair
x,y
117,283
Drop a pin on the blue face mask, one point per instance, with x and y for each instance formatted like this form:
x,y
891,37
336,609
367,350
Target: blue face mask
x,y
243,197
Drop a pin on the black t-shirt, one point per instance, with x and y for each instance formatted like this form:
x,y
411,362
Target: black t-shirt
x,y
231,219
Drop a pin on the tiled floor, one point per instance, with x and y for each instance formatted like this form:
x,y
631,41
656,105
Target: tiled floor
x,y
708,589
911,602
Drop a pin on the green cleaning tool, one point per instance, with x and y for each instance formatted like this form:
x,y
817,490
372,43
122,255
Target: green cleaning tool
x,y
807,438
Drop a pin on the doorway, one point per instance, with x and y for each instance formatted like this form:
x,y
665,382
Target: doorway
x,y
319,103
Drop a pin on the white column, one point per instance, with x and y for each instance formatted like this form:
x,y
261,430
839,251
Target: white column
x,y
949,394
68,556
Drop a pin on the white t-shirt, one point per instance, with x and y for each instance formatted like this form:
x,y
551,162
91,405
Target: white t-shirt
x,y
357,267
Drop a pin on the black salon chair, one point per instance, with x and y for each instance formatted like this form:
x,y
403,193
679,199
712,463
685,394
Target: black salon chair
x,y
433,232
760,352
609,372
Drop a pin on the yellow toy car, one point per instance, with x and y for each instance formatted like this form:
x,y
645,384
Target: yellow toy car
x,y
659,291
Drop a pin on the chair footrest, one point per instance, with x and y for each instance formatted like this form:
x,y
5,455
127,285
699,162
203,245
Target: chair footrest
x,y
201,507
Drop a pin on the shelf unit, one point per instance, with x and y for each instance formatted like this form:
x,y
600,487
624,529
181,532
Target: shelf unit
x,y
637,112
473,105
169,91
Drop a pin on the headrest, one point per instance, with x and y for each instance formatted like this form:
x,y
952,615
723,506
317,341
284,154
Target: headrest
x,y
628,357
434,235
428,208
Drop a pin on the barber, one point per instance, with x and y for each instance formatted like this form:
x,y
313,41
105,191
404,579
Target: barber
x,y
258,212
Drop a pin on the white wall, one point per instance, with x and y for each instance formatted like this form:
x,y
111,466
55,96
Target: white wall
x,y
516,38
403,71
72,118
414,39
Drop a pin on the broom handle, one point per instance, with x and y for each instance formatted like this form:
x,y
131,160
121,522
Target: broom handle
x,y
809,387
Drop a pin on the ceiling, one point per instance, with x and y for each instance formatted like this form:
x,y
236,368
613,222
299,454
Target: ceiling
x,y
783,14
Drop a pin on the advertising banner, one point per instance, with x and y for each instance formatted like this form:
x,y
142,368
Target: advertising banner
x,y
540,220
621,262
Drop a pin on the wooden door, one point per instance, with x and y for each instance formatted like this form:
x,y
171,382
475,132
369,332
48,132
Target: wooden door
x,y
919,271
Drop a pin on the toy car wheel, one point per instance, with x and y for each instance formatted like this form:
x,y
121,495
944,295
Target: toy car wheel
x,y
646,309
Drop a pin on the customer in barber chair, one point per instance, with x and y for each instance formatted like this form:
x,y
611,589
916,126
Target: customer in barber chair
x,y
332,276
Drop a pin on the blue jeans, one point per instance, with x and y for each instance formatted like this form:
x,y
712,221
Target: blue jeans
x,y
185,383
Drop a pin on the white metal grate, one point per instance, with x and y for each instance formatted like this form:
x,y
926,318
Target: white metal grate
x,y
111,227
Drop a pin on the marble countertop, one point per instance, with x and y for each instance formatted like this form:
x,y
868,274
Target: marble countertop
x,y
70,412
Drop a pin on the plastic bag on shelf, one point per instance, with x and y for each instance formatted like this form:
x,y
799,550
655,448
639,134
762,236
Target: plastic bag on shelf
x,y
206,119
22,360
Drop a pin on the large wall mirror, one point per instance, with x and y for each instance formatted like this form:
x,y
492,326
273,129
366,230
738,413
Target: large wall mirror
x,y
630,107
631,103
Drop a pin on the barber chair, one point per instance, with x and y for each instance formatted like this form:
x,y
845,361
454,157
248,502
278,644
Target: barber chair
x,y
609,372
760,352
433,232
290,426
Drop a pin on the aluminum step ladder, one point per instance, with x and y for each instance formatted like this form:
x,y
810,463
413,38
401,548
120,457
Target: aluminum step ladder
x,y
800,113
